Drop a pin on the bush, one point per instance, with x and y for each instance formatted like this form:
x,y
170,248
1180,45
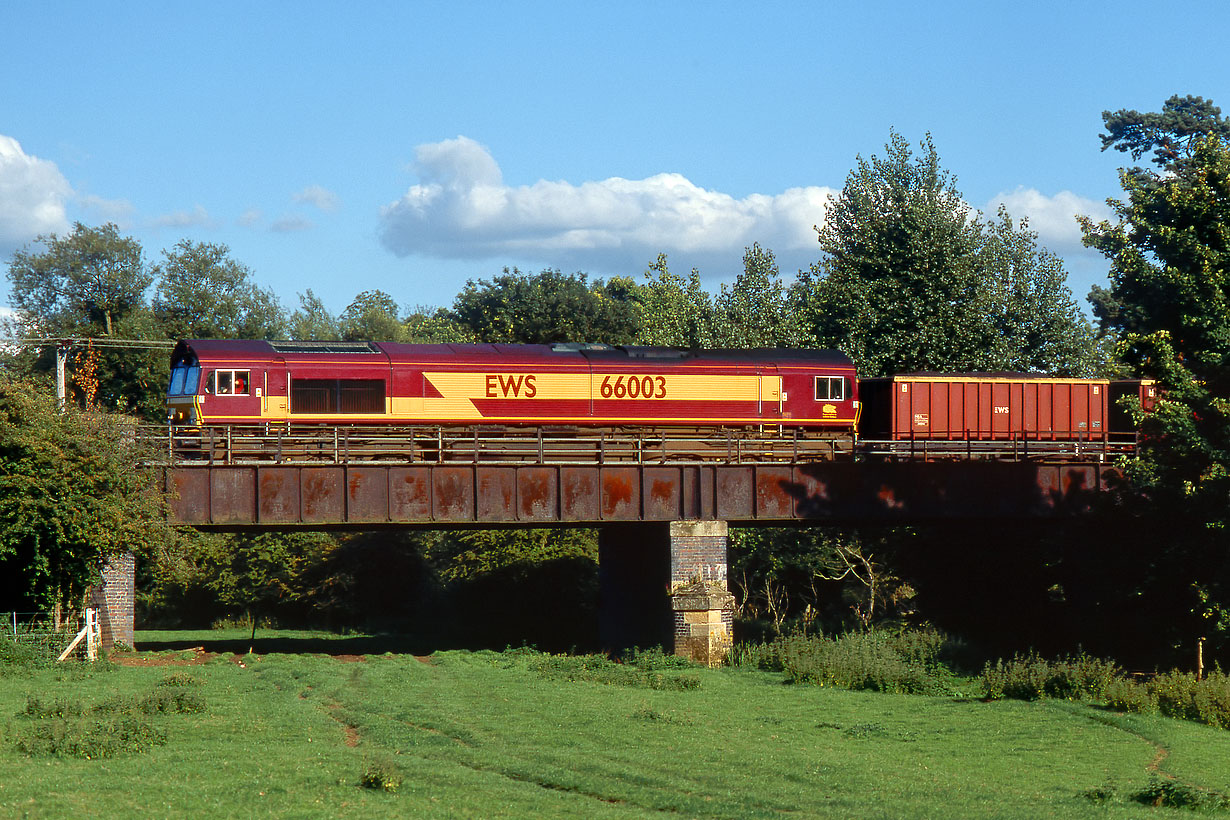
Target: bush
x,y
88,738
381,775
1031,677
1124,695
641,671
1174,795
879,660
1181,695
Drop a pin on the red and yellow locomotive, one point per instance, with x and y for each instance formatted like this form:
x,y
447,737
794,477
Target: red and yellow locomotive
x,y
583,386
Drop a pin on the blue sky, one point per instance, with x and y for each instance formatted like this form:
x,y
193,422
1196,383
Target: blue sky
x,y
412,146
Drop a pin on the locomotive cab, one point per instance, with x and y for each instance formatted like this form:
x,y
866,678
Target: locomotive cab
x,y
183,391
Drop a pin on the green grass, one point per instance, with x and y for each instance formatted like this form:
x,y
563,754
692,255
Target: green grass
x,y
518,734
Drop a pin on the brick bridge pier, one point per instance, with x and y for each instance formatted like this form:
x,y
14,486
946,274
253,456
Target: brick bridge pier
x,y
664,584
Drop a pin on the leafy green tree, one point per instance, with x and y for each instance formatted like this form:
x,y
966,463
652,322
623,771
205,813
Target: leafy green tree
x,y
756,310
69,496
1169,301
1170,135
203,293
313,321
372,316
912,280
1040,328
546,307
91,283
81,284
674,311
425,325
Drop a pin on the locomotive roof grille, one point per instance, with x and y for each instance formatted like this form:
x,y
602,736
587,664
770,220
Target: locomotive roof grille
x,y
324,347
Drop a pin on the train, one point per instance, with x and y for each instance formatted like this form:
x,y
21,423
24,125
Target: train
x,y
689,403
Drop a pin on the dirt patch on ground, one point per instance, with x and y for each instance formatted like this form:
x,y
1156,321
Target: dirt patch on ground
x,y
350,734
198,657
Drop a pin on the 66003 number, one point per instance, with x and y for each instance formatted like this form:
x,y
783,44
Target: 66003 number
x,y
633,387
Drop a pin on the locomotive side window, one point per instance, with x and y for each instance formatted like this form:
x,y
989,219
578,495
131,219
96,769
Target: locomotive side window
x,y
830,388
337,396
230,382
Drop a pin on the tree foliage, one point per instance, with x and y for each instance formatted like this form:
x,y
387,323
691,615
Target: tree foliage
x,y
546,307
373,315
1170,134
203,293
313,321
81,284
69,496
1169,300
913,280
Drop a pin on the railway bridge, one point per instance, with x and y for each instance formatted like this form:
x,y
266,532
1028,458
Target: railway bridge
x,y
662,513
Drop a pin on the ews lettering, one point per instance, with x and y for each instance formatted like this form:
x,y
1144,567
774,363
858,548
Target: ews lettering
x,y
501,386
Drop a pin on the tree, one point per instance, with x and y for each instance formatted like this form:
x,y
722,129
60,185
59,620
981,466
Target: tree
x,y
912,280
372,316
1169,299
755,311
546,307
92,283
1170,134
674,311
427,326
203,293
313,321
69,496
1040,327
80,284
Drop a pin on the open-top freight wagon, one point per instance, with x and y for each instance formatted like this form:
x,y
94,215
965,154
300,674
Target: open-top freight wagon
x,y
1017,414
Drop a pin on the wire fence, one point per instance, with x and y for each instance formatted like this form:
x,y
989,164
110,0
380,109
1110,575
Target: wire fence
x,y
42,635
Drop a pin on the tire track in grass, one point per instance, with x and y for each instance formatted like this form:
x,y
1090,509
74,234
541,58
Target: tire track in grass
x,y
1115,720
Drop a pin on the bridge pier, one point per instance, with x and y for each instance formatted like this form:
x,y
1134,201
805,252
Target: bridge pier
x,y
113,597
664,584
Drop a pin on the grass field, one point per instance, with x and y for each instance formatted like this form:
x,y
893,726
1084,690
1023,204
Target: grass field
x,y
290,733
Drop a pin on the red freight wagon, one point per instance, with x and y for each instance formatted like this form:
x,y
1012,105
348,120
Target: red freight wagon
x,y
380,383
996,407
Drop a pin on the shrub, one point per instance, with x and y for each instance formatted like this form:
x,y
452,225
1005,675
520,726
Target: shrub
x,y
382,776
1174,795
88,738
1181,695
881,661
58,708
600,669
1128,696
1031,677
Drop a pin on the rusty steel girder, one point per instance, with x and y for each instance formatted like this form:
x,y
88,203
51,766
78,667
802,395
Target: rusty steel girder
x,y
271,496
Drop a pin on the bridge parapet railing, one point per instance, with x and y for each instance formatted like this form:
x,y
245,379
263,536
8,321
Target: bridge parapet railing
x,y
303,444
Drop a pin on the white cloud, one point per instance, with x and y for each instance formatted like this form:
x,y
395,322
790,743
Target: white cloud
x,y
118,211
290,224
1053,217
32,196
251,217
197,217
461,209
317,196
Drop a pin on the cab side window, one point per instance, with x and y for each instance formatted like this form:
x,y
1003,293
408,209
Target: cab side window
x,y
830,388
231,382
